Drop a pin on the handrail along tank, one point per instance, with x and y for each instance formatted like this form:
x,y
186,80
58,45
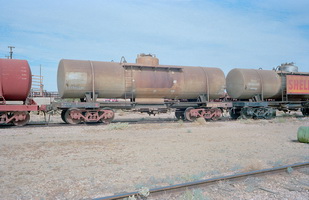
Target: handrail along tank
x,y
15,79
144,79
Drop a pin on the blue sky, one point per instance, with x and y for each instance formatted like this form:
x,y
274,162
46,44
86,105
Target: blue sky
x,y
212,33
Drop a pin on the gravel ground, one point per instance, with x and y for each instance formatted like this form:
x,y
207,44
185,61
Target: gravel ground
x,y
88,161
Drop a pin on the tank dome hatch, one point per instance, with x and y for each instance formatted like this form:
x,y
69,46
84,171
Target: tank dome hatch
x,y
287,67
147,59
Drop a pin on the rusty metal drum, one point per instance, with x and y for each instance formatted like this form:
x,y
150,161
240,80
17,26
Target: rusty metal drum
x,y
15,79
248,83
122,80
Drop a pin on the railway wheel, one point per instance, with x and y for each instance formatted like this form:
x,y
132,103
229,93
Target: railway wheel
x,y
63,115
305,111
71,116
180,115
246,116
269,114
21,118
234,113
188,115
109,115
217,114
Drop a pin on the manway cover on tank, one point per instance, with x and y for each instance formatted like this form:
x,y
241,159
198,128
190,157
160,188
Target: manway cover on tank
x,y
247,83
15,79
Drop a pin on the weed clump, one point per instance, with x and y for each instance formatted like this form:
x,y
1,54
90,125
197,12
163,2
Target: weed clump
x,y
194,194
200,121
117,126
254,165
180,123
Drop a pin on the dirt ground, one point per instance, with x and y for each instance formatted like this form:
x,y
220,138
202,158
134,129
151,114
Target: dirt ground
x,y
97,160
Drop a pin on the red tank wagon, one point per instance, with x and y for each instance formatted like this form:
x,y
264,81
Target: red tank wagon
x,y
15,84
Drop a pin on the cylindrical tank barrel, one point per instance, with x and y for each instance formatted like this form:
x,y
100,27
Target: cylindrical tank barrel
x,y
247,83
121,80
15,79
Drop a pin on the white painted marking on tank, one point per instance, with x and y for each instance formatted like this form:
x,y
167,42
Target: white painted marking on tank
x,y
76,78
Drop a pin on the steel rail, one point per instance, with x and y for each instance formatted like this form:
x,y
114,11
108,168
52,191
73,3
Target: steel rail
x,y
206,181
60,124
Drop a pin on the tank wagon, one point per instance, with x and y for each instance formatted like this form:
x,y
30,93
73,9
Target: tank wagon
x,y
15,85
144,86
259,93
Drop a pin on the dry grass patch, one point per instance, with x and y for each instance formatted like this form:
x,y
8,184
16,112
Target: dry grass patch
x,y
254,165
118,126
200,121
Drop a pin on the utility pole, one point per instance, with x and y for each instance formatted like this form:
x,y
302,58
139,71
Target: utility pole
x,y
11,51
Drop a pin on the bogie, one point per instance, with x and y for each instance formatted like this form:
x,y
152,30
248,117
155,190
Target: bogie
x,y
76,116
256,113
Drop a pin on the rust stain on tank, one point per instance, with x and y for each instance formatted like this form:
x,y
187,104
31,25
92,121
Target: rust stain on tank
x,y
152,79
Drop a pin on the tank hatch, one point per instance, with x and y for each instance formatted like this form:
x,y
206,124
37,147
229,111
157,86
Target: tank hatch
x,y
287,67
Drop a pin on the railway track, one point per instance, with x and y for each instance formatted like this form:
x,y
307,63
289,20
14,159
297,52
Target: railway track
x,y
62,124
142,120
155,192
123,120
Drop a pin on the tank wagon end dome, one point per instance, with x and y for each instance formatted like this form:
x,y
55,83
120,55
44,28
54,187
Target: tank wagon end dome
x,y
15,78
235,86
60,78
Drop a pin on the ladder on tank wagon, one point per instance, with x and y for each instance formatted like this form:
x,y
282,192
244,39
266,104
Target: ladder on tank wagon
x,y
128,83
